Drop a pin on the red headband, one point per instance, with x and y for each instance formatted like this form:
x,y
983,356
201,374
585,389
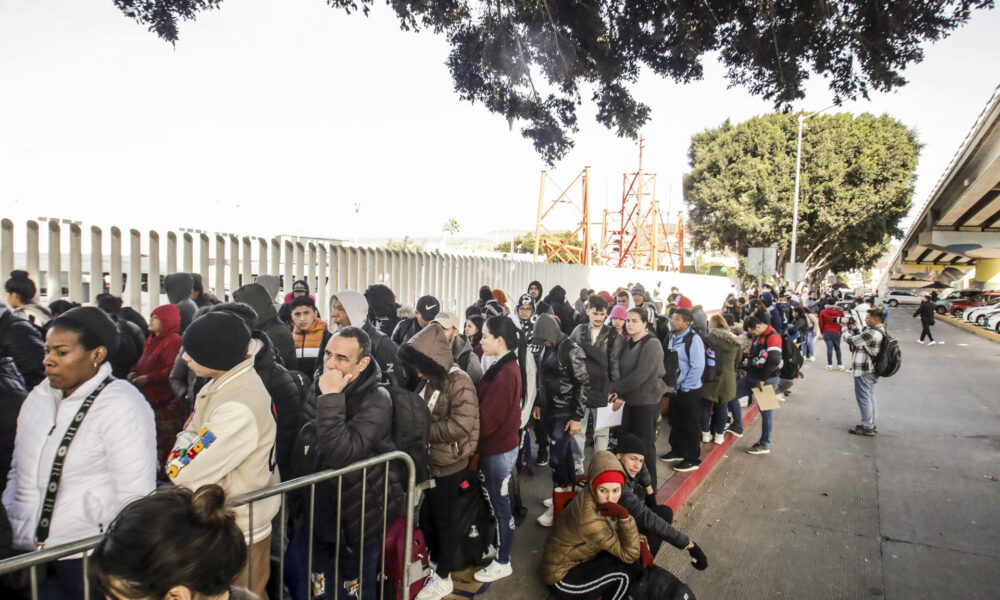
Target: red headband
x,y
609,477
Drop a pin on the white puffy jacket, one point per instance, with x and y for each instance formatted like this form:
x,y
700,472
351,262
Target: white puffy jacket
x,y
111,461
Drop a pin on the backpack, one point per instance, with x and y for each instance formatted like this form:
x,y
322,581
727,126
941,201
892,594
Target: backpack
x,y
476,524
672,364
889,358
791,358
411,424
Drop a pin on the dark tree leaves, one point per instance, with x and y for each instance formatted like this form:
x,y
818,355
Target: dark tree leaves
x,y
532,61
856,186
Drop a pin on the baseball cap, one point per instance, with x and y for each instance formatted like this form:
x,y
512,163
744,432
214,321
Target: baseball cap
x,y
447,320
428,307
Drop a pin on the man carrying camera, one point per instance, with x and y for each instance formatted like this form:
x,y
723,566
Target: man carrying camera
x,y
865,346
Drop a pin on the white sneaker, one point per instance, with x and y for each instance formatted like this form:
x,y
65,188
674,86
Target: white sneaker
x,y
547,502
547,517
840,368
829,367
931,343
435,588
812,359
920,341
493,571
718,438
706,437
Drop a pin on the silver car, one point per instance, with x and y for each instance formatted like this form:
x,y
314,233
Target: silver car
x,y
896,297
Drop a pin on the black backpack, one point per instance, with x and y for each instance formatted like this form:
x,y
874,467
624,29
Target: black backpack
x,y
411,428
672,364
889,358
791,358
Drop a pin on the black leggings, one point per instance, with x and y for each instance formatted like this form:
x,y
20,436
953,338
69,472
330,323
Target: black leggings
x,y
605,577
926,331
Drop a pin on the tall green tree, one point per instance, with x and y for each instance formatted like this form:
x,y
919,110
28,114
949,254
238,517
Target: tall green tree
x,y
532,61
856,186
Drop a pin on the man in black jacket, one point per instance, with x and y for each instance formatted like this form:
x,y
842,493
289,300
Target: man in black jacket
x,y
926,313
427,308
354,422
563,390
655,521
349,308
603,348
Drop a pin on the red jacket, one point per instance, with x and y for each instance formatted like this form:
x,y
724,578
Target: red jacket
x,y
499,394
158,356
828,319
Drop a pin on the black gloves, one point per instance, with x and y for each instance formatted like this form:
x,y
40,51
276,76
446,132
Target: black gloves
x,y
698,558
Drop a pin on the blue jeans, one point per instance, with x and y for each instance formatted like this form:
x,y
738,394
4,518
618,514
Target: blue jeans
x,y
864,392
495,470
561,452
713,417
744,387
832,343
808,349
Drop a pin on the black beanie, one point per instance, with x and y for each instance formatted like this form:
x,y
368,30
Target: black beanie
x,y
95,321
217,340
630,444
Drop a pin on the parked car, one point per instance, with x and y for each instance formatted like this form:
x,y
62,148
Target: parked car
x,y
959,307
896,297
977,314
993,322
943,305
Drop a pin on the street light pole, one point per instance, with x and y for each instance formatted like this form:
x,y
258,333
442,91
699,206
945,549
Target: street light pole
x,y
798,174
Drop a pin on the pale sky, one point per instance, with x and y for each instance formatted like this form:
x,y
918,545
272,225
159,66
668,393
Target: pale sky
x,y
277,117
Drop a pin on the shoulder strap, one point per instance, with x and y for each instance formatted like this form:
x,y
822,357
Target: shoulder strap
x,y
45,519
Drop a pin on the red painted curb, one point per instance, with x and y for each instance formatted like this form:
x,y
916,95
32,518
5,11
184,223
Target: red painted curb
x,y
675,492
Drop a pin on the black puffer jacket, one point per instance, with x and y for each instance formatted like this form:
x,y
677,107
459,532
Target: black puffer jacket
x,y
352,426
129,350
285,400
12,395
562,372
21,341
602,360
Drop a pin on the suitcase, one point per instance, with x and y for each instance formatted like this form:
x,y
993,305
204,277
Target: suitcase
x,y
395,541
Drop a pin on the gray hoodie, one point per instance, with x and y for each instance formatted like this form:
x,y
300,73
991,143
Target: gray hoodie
x,y
179,287
383,349
271,283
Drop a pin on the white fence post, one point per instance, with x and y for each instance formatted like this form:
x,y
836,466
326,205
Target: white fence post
x,y
275,265
53,276
134,286
6,246
96,264
187,254
172,253
203,260
153,277
76,264
220,267
32,253
234,264
288,275
246,270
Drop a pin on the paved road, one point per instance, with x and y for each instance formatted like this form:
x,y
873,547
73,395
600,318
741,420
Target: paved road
x,y
911,513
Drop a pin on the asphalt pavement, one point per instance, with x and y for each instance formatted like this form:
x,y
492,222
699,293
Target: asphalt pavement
x,y
911,513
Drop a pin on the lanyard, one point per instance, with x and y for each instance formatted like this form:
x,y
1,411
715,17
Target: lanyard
x,y
45,520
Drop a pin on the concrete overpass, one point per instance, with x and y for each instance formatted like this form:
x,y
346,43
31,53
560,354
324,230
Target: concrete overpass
x,y
959,225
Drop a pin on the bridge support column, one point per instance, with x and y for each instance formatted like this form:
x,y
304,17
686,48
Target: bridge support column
x,y
988,272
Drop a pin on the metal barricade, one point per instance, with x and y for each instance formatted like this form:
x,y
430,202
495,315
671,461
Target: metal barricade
x,y
36,559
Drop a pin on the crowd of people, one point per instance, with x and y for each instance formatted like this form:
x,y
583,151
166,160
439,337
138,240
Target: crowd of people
x,y
208,399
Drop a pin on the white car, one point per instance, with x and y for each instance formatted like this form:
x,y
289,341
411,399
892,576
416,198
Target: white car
x,y
972,313
896,297
993,322
980,315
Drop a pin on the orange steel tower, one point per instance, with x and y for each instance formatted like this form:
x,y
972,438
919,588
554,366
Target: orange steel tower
x,y
569,210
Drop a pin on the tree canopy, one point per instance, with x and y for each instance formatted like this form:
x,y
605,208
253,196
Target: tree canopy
x,y
856,185
533,61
